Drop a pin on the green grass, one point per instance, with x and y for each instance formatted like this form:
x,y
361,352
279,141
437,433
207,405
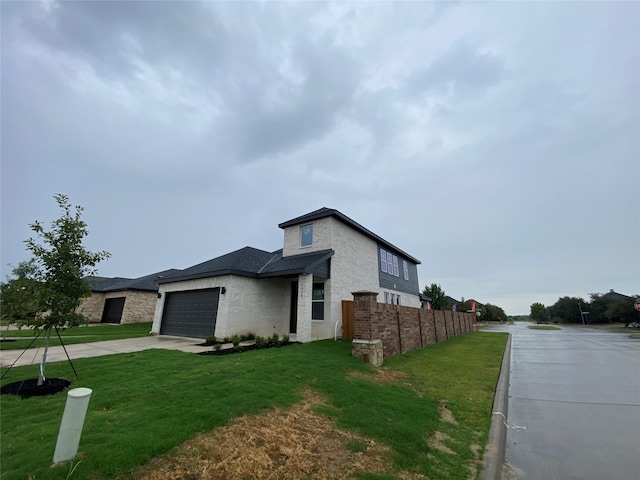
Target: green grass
x,y
543,327
82,334
146,404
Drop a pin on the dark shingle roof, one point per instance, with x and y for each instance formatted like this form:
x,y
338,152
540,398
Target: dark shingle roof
x,y
247,262
251,262
331,212
294,264
616,295
148,283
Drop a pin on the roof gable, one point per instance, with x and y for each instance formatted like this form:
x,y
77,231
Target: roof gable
x,y
246,261
325,212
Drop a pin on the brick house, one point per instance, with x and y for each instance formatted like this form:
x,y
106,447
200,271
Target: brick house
x,y
122,300
297,290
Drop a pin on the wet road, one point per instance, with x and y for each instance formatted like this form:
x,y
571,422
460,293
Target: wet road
x,y
574,404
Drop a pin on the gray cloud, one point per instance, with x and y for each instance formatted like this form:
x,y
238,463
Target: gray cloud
x,y
498,143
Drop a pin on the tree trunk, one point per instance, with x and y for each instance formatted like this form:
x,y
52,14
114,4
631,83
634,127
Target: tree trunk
x,y
43,362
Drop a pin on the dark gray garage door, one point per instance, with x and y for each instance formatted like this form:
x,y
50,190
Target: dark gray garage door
x,y
190,314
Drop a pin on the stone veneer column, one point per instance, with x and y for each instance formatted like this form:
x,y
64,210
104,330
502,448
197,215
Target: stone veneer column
x,y
364,345
305,290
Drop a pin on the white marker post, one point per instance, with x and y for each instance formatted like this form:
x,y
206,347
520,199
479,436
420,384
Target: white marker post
x,y
72,422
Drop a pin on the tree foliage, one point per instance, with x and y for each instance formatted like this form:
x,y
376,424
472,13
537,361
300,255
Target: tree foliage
x,y
622,310
58,267
437,296
538,311
567,309
493,313
20,296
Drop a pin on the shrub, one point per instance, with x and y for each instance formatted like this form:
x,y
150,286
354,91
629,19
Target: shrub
x,y
211,339
285,339
217,346
235,340
261,342
248,336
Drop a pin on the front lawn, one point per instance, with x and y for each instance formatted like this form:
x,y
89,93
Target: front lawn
x,y
81,334
146,404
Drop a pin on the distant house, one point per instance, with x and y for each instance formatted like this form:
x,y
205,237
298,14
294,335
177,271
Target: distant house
x,y
297,290
616,296
122,300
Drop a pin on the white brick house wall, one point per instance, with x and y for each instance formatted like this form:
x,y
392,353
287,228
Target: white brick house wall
x,y
261,306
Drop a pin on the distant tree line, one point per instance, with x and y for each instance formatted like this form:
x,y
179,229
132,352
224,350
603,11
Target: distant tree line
x,y
602,308
440,301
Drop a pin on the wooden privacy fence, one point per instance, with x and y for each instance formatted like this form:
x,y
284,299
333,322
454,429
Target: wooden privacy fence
x,y
399,329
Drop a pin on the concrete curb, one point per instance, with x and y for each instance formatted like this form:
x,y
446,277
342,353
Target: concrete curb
x,y
497,443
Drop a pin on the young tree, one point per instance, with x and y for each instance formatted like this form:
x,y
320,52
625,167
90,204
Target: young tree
x,y
538,311
437,296
60,262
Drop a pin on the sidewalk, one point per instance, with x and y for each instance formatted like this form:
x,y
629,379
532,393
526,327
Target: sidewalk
x,y
96,349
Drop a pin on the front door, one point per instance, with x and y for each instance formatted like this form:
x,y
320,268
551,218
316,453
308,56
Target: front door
x,y
293,321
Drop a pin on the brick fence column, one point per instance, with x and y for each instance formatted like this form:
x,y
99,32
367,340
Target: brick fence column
x,y
366,344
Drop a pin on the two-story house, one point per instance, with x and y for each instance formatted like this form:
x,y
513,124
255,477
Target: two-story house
x,y
297,290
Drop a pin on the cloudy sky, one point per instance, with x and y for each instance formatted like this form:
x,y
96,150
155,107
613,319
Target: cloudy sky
x,y
499,143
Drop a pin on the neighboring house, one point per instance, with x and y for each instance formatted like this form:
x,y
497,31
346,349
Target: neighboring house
x,y
297,290
122,300
616,296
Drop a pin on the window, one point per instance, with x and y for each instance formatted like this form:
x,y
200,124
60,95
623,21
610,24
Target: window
x,y
386,297
398,299
317,302
396,272
389,263
405,268
383,260
393,299
306,235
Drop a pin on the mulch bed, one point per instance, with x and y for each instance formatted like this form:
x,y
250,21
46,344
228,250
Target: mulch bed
x,y
29,388
242,348
228,351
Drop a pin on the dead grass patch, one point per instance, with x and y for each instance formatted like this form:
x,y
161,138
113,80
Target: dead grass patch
x,y
445,414
436,441
283,444
383,375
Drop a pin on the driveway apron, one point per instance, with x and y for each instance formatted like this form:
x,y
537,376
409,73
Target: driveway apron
x,y
97,349
574,404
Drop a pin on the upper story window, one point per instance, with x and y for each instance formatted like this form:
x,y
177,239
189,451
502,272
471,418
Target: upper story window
x,y
306,235
383,261
405,268
389,264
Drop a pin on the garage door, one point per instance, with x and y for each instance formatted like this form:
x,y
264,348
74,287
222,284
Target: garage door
x,y
190,314
113,308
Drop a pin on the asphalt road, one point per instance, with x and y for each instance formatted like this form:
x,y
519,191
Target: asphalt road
x,y
574,404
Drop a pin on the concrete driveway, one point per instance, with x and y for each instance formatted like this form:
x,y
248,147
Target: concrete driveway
x,y
96,349
574,404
